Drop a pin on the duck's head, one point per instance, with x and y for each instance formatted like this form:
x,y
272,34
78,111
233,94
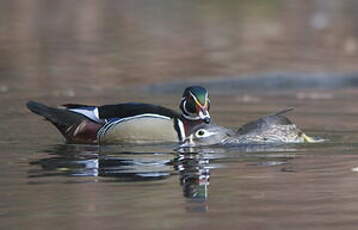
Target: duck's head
x,y
195,104
207,134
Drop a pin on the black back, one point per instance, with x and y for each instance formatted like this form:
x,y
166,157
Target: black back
x,y
265,123
132,109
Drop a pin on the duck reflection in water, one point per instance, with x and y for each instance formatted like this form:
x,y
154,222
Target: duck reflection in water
x,y
126,166
113,164
194,174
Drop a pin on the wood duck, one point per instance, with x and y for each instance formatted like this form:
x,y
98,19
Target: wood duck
x,y
128,122
273,129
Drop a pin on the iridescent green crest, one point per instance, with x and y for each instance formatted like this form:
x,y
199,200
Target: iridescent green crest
x,y
200,93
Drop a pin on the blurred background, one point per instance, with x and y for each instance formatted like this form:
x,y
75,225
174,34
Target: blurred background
x,y
255,57
104,44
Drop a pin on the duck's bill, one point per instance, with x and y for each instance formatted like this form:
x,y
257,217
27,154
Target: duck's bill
x,y
205,116
309,139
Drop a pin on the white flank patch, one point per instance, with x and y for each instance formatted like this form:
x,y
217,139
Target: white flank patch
x,y
95,111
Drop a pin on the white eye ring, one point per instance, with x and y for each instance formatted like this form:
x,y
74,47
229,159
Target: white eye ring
x,y
202,133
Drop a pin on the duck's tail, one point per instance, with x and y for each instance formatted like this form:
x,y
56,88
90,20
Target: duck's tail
x,y
306,138
61,118
75,127
283,111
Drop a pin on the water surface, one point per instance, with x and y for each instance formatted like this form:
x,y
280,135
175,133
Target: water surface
x,y
261,57
46,183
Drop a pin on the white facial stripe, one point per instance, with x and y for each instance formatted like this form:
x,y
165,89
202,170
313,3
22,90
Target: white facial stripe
x,y
186,111
197,101
206,133
192,116
203,116
210,133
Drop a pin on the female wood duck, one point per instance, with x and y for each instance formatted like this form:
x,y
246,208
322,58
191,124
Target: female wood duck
x,y
273,129
128,122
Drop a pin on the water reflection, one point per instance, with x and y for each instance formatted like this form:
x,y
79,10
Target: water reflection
x,y
75,160
192,165
194,175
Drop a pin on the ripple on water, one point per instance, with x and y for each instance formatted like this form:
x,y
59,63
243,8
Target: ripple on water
x,y
292,187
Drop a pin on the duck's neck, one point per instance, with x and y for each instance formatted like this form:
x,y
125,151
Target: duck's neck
x,y
189,124
190,118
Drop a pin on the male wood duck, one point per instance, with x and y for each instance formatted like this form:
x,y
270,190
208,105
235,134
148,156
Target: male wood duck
x,y
128,122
